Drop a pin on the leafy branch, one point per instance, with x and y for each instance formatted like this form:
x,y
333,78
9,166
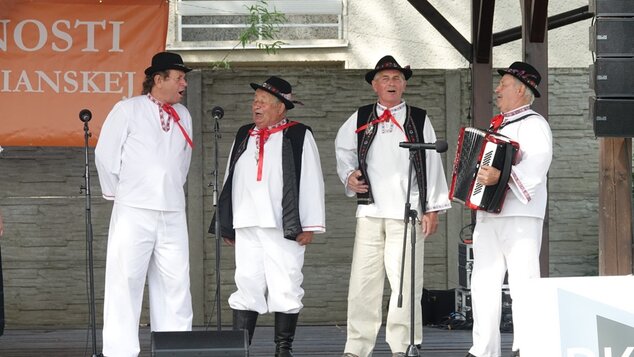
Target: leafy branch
x,y
263,25
263,28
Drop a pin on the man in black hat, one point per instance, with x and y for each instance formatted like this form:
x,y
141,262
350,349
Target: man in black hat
x,y
142,157
511,240
270,206
371,165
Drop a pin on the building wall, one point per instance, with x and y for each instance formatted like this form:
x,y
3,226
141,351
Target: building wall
x,y
373,28
44,246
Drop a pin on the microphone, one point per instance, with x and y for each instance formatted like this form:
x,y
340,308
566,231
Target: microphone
x,y
217,113
439,146
85,115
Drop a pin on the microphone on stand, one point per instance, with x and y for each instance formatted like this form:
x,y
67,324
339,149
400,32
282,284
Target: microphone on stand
x,y
217,113
439,146
85,115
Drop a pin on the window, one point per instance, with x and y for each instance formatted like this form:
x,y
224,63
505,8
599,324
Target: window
x,y
215,24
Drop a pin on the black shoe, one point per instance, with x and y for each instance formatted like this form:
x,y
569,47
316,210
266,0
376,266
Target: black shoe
x,y
245,320
515,353
469,355
285,325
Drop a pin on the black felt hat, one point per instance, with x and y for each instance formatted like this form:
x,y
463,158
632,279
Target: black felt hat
x,y
526,73
163,61
387,62
279,88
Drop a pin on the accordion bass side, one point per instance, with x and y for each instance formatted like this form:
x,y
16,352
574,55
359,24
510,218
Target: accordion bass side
x,y
478,148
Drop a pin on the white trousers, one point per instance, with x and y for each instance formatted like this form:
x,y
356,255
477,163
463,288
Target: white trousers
x,y
145,242
268,272
499,244
378,249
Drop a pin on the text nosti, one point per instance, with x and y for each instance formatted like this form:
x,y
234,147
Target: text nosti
x,y
59,37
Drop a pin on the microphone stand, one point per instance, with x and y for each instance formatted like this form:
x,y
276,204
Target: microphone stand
x,y
89,238
410,216
217,136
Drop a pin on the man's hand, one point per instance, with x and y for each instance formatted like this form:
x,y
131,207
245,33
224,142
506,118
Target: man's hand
x,y
230,242
429,223
356,183
488,175
304,238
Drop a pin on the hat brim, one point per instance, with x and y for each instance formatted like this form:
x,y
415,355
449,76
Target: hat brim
x,y
370,75
153,69
287,103
526,83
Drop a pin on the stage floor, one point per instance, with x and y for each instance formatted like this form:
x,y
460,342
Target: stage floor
x,y
309,341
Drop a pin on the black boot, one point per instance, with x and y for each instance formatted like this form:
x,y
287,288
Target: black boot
x,y
285,325
245,320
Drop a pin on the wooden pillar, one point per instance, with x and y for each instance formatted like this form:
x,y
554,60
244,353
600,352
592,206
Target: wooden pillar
x,y
536,53
455,216
615,206
481,80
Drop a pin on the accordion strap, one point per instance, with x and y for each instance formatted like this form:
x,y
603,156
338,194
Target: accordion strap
x,y
504,178
512,122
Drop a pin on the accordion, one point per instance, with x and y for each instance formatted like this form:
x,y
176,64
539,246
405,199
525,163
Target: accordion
x,y
481,148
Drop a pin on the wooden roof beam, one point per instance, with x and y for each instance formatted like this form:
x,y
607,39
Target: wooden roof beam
x,y
484,31
443,26
557,21
538,20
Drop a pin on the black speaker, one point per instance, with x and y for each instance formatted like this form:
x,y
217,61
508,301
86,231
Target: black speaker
x,y
612,37
612,117
200,344
612,77
611,7
437,305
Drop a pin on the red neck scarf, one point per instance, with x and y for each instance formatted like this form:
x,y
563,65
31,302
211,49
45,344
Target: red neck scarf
x,y
262,135
384,118
496,122
172,112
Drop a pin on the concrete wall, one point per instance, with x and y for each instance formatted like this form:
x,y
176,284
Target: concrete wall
x,y
44,246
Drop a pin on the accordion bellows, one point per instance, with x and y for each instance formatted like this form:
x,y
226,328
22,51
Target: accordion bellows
x,y
478,148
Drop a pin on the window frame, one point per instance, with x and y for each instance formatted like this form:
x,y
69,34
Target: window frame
x,y
240,8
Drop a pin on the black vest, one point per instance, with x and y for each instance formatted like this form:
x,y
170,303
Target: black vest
x,y
413,127
292,150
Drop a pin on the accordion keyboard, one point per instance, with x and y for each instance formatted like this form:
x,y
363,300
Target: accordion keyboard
x,y
487,156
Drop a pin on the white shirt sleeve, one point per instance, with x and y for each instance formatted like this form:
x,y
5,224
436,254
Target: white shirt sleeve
x,y
437,192
312,208
536,152
109,149
346,151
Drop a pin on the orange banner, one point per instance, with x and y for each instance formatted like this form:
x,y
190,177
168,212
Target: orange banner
x,y
58,57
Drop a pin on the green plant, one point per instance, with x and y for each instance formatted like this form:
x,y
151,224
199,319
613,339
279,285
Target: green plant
x,y
263,27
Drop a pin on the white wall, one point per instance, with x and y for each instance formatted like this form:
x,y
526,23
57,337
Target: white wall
x,y
374,28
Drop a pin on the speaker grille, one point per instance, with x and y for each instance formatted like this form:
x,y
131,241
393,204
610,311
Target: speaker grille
x,y
200,344
612,117
612,7
612,37
613,77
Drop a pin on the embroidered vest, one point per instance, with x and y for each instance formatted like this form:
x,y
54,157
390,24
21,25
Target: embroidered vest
x,y
413,127
292,150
